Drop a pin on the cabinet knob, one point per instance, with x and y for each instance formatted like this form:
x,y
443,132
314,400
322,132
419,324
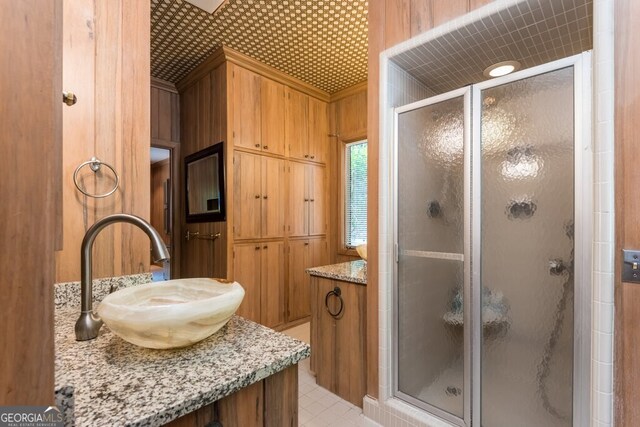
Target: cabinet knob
x,y
313,157
306,243
265,247
69,98
265,197
312,200
265,147
306,200
257,248
306,156
257,145
257,196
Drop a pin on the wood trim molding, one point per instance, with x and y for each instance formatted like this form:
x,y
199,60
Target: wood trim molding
x,y
225,53
351,90
163,84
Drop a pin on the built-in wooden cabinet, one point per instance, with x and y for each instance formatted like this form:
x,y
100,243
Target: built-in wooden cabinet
x,y
273,117
307,207
318,130
303,254
270,402
259,267
306,126
246,123
259,201
275,130
339,342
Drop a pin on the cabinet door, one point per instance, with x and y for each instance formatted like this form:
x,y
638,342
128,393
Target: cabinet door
x,y
297,124
246,271
272,287
273,139
298,200
319,254
317,205
318,130
298,302
324,349
273,197
245,103
247,195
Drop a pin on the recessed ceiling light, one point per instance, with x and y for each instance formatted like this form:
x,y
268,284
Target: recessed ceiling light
x,y
501,69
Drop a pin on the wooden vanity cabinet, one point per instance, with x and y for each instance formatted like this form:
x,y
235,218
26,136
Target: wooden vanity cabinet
x,y
260,196
270,402
339,343
303,254
307,207
260,268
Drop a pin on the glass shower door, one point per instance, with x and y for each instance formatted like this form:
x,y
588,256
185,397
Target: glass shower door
x,y
527,245
430,289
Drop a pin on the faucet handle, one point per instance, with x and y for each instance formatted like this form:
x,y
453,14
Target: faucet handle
x,y
112,288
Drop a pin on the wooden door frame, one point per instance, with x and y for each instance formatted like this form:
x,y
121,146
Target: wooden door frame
x,y
176,229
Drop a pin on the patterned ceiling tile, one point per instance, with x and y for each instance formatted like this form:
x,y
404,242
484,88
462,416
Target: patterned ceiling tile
x,y
321,42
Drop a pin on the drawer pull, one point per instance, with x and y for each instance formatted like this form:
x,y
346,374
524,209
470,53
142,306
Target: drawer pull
x,y
337,293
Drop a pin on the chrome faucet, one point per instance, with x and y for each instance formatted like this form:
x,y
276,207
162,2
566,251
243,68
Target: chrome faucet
x,y
88,324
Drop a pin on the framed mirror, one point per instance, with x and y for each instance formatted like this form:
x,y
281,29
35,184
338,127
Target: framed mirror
x,y
204,180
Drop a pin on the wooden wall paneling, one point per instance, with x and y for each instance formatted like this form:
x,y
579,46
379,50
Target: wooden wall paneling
x,y
160,173
317,203
298,213
203,123
376,45
135,129
297,124
318,130
164,115
281,398
272,284
106,55
155,92
274,197
245,92
30,48
247,199
78,125
243,408
247,271
627,208
446,10
175,117
352,115
272,120
421,16
397,22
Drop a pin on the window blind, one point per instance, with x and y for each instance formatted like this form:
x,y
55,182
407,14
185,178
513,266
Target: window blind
x,y
355,194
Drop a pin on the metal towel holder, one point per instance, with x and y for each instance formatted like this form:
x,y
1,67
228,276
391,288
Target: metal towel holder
x,y
95,164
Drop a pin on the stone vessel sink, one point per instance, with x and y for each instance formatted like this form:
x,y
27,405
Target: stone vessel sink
x,y
170,314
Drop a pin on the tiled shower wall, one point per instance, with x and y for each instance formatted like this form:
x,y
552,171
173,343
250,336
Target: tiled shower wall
x,y
397,89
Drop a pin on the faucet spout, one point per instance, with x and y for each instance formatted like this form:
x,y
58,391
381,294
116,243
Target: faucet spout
x,y
88,324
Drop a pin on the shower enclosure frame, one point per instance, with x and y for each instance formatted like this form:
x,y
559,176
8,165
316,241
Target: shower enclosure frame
x,y
583,220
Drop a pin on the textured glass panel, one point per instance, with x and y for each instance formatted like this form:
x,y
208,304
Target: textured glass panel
x,y
527,252
430,221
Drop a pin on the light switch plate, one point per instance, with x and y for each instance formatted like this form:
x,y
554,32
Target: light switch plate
x,y
630,266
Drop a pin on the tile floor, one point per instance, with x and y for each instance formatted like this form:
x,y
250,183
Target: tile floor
x,y
318,406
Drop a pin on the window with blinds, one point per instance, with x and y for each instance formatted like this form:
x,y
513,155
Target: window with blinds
x,y
355,211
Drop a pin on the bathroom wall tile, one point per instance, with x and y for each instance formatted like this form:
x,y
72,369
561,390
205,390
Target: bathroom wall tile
x,y
603,378
602,411
603,347
603,317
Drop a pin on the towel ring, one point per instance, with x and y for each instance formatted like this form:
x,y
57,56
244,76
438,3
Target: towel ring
x,y
95,166
338,293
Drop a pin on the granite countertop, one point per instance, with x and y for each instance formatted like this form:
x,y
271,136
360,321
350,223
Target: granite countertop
x,y
353,271
117,383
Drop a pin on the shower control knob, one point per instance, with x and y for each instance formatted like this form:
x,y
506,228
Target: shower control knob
x,y
556,267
